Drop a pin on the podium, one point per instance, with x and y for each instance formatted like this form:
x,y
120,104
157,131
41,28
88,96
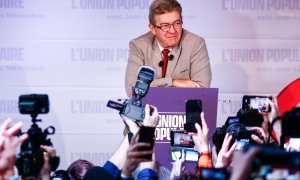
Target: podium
x,y
170,103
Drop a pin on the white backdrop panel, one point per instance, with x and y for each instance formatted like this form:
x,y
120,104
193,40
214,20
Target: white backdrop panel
x,y
86,63
72,110
253,65
109,19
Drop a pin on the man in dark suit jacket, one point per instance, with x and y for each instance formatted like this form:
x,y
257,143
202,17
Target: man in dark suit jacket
x,y
188,62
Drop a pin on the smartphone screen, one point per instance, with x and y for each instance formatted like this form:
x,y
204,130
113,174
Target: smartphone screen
x,y
261,103
193,110
176,153
214,173
191,155
147,135
292,144
181,138
241,143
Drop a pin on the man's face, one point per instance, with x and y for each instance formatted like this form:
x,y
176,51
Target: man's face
x,y
171,37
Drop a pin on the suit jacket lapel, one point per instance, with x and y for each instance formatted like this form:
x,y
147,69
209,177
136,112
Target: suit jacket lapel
x,y
173,62
156,57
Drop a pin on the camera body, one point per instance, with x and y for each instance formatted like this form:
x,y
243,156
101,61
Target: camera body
x,y
237,127
134,108
30,160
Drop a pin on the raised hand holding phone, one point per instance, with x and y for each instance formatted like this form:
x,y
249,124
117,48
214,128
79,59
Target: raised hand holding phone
x,y
193,108
146,135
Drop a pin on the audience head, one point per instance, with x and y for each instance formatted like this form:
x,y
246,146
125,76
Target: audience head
x,y
78,169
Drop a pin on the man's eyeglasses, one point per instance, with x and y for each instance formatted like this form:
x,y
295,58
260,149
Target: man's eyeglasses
x,y
166,27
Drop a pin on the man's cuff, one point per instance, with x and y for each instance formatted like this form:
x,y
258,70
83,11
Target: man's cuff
x,y
169,81
112,169
146,174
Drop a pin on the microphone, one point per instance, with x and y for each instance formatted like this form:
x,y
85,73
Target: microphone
x,y
171,57
161,64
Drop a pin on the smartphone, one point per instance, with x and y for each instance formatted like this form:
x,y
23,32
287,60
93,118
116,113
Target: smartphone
x,y
181,138
147,135
292,144
191,155
193,109
177,153
261,103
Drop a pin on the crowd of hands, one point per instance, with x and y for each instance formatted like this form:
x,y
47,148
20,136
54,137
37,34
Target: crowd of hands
x,y
128,158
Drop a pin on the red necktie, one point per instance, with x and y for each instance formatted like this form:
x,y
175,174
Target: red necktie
x,y
166,58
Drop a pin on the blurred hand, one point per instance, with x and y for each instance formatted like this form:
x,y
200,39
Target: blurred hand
x,y
132,125
134,156
151,120
201,138
225,155
262,138
185,83
46,169
8,145
242,162
178,168
269,118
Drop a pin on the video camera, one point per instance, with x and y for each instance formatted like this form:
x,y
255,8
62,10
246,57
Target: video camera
x,y
134,108
237,127
31,158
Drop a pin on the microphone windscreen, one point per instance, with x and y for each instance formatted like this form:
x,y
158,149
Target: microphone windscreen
x,y
161,63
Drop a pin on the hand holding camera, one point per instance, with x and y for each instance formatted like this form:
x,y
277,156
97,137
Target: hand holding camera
x,y
134,108
151,116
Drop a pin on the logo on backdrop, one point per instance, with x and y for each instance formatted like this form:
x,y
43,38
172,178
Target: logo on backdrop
x,y
168,121
287,59
8,106
110,4
17,4
12,59
99,54
260,55
260,5
10,5
87,106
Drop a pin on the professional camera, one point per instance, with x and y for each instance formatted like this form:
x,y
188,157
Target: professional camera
x,y
237,127
31,158
134,108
